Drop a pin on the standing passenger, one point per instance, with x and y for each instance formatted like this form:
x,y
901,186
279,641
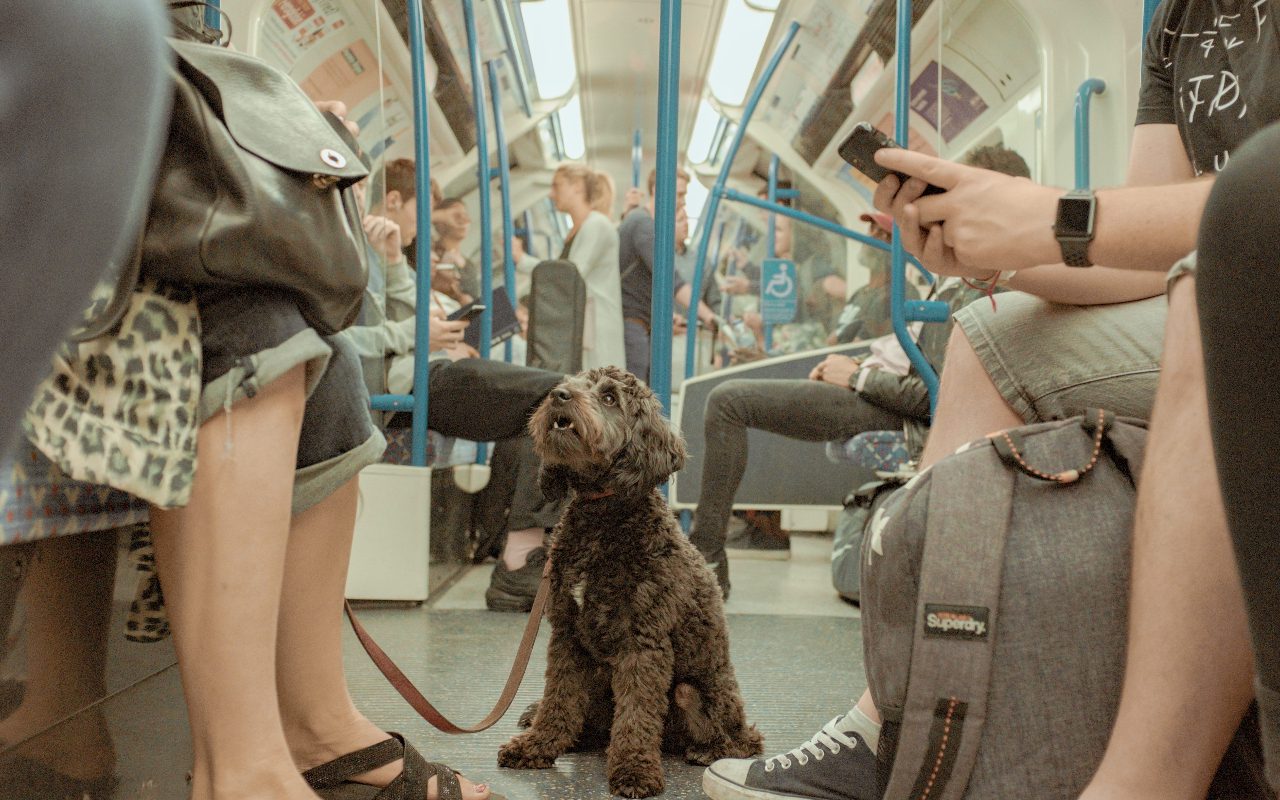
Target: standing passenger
x,y
592,246
636,237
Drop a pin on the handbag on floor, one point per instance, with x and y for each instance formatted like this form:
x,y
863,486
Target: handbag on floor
x,y
995,597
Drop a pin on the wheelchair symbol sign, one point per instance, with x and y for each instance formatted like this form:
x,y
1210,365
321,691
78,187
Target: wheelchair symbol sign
x,y
778,295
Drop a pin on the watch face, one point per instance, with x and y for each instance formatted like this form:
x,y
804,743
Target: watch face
x,y
1075,216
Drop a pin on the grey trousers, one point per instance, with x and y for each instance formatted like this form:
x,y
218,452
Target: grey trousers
x,y
801,409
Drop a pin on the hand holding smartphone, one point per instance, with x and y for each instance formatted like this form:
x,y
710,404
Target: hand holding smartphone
x,y
859,150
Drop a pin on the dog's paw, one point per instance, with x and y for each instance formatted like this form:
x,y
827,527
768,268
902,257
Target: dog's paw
x,y
522,753
701,755
639,776
749,743
526,718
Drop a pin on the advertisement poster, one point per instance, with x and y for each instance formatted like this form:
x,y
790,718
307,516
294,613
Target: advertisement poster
x,y
960,104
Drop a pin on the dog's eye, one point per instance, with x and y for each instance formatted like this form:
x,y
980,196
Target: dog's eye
x,y
609,398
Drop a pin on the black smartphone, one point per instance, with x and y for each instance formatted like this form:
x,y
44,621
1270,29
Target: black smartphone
x,y
860,149
468,312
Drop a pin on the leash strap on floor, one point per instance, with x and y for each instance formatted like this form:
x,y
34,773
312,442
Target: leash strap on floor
x,y
419,703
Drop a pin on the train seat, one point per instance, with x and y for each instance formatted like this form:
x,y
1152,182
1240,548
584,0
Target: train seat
x,y
442,451
38,501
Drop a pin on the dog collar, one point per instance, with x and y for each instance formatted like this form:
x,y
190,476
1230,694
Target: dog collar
x,y
599,495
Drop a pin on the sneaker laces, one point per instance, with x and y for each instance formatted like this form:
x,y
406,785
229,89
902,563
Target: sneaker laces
x,y
830,737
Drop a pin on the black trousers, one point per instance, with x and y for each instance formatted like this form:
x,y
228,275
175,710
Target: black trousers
x,y
1238,293
490,401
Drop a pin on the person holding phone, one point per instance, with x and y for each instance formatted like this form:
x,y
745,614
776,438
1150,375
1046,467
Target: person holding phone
x,y
1188,672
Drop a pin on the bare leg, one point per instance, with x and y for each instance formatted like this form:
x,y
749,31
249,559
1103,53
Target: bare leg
x,y
221,563
969,405
1189,669
68,601
320,719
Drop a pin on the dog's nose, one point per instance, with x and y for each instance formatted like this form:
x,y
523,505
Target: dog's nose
x,y
561,395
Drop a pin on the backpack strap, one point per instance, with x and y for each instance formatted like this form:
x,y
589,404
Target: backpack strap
x,y
956,626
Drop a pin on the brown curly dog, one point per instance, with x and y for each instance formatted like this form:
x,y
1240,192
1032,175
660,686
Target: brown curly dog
x,y
638,645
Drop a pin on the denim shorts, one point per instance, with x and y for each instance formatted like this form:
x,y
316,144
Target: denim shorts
x,y
1053,361
251,337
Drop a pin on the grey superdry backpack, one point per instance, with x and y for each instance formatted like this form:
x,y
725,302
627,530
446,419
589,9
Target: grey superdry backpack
x,y
995,596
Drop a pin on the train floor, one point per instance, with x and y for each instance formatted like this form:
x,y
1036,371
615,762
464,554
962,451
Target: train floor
x,y
795,646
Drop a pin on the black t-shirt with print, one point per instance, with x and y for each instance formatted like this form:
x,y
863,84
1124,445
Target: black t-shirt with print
x,y
1212,67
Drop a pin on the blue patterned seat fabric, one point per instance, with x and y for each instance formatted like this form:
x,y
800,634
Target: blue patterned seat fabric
x,y
442,451
38,501
881,451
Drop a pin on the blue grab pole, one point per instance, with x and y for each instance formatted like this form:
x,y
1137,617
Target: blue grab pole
x,y
1084,95
1148,11
898,274
484,174
422,155
517,67
212,16
664,245
717,191
504,190
772,238
637,159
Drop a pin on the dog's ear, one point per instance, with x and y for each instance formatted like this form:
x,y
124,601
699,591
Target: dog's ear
x,y
554,482
656,451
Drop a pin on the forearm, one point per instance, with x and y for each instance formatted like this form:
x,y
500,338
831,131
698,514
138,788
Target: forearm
x,y
1148,227
1059,283
685,293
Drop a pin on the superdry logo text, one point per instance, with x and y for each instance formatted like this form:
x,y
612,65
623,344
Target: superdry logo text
x,y
956,622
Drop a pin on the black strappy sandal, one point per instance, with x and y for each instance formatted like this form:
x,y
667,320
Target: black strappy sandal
x,y
332,780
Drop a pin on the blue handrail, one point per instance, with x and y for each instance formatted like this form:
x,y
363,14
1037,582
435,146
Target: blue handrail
x,y
717,192
417,403
772,238
664,245
1084,95
898,273
503,174
212,17
637,159
1148,11
483,176
820,223
517,64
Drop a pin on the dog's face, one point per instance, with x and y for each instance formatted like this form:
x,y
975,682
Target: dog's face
x,y
604,428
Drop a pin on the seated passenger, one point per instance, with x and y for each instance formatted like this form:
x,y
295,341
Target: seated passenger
x,y
592,246
842,398
452,222
1188,667
636,261
866,314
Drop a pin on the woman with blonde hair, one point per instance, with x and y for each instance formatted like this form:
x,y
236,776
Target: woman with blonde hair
x,y
592,246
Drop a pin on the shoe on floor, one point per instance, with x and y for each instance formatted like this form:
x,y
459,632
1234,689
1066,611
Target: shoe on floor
x,y
836,764
759,542
514,590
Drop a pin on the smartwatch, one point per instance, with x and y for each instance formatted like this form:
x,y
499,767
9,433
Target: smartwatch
x,y
1073,228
